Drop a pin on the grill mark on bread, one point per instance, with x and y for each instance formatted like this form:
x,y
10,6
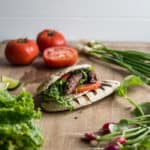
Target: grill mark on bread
x,y
94,92
106,84
102,87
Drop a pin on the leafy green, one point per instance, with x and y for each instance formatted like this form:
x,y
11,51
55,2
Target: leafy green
x,y
16,109
84,76
144,144
145,107
113,128
24,135
128,82
138,139
56,93
123,124
17,130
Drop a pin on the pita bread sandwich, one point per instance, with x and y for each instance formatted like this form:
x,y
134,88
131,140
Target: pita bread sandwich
x,y
73,88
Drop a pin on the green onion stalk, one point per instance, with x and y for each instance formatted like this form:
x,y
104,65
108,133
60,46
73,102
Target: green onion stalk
x,y
138,63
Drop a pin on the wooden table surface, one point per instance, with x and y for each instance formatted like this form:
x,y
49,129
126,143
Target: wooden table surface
x,y
62,131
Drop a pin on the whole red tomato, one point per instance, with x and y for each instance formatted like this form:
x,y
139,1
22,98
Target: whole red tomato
x,y
49,38
21,51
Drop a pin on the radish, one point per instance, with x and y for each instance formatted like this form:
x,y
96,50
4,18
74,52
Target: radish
x,y
89,136
105,127
112,147
120,140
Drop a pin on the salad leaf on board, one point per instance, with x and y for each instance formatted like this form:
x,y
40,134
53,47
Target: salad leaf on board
x,y
17,130
128,82
145,107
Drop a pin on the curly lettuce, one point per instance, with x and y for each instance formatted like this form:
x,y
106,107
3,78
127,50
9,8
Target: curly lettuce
x,y
17,130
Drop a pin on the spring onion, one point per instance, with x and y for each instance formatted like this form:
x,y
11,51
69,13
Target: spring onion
x,y
138,63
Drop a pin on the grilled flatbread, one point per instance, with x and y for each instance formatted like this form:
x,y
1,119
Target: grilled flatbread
x,y
78,100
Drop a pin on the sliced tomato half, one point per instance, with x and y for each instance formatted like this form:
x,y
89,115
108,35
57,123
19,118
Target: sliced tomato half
x,y
60,56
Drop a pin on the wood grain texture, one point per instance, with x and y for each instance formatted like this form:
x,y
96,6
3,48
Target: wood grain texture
x,y
62,131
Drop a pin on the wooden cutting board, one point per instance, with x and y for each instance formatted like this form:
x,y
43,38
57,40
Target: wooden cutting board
x,y
62,131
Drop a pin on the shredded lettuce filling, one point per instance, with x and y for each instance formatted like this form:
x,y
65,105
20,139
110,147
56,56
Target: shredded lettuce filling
x,y
56,93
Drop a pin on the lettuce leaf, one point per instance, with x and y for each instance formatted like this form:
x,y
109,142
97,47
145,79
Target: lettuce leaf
x,y
145,107
128,82
17,130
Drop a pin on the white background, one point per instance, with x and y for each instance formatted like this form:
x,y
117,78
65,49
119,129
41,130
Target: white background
x,y
109,20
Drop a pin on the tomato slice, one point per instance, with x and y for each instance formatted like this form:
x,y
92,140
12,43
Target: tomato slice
x,y
60,56
87,87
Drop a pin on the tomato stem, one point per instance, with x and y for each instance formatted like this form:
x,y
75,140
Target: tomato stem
x,y
51,33
24,40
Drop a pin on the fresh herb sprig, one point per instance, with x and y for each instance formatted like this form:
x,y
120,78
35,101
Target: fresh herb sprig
x,y
138,63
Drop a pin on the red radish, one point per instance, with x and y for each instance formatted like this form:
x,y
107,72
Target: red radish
x,y
105,127
90,136
120,140
112,147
